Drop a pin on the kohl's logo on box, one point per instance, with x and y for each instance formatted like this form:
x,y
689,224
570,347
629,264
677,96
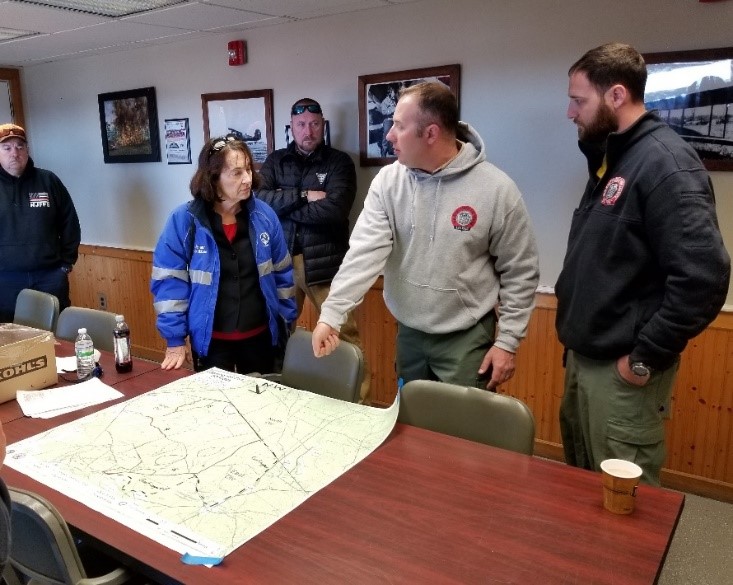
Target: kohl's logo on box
x,y
23,368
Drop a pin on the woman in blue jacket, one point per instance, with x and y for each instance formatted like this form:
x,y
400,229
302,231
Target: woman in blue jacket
x,y
222,274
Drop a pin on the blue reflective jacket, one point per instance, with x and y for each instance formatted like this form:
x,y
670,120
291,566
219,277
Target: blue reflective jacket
x,y
185,278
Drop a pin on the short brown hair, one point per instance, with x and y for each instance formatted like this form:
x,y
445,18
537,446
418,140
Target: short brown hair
x,y
211,161
612,64
437,105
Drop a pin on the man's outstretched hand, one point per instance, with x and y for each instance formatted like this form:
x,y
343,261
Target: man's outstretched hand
x,y
325,340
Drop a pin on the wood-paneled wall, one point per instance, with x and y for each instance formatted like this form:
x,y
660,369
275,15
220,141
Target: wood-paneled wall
x,y
123,277
699,434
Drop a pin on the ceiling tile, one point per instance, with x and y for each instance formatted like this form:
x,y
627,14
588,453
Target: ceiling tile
x,y
53,33
197,17
47,20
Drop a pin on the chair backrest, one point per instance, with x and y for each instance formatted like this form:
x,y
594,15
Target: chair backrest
x,y
99,324
43,548
470,413
34,308
338,375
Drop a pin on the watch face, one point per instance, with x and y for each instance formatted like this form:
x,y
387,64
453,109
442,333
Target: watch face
x,y
639,369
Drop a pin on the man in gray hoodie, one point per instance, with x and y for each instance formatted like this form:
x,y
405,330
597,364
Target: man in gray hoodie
x,y
453,238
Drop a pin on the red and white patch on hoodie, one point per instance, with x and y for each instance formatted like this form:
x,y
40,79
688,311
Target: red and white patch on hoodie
x,y
464,218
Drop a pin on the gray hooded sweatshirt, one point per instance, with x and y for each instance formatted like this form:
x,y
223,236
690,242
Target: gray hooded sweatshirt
x,y
453,245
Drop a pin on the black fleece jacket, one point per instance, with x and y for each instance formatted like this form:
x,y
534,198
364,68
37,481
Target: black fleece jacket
x,y
645,268
320,230
39,228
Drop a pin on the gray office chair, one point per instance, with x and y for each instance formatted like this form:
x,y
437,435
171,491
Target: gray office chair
x,y
469,413
99,324
43,548
338,375
34,308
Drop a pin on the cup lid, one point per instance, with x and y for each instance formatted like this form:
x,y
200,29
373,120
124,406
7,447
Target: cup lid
x,y
621,468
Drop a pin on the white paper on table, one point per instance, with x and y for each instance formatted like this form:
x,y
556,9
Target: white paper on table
x,y
55,401
65,364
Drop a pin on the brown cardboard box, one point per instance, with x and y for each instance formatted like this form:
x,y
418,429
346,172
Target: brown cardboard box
x,y
27,359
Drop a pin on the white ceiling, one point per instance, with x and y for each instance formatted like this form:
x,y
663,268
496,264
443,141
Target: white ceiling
x,y
32,34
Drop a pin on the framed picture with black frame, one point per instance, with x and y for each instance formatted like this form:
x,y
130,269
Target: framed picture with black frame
x,y
129,125
378,94
693,92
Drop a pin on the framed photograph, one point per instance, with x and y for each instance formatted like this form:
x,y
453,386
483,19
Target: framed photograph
x,y
693,93
129,124
246,114
378,95
177,141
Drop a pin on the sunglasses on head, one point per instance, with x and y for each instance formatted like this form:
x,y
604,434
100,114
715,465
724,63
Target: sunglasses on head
x,y
300,108
220,143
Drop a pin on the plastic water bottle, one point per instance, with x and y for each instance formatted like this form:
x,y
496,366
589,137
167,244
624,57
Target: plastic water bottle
x,y
123,355
84,349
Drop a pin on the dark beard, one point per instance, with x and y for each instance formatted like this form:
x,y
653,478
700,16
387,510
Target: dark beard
x,y
602,125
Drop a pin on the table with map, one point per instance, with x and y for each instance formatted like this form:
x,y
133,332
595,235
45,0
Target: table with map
x,y
205,463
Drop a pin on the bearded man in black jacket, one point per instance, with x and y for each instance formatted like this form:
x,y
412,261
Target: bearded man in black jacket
x,y
645,269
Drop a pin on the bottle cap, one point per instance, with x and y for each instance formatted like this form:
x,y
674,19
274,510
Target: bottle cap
x,y
82,330
119,318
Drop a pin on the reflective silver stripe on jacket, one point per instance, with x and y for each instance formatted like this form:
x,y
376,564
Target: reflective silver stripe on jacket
x,y
174,306
264,268
286,293
268,267
195,276
284,264
163,273
200,277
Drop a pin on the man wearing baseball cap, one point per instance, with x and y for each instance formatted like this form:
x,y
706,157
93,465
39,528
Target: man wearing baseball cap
x,y
39,228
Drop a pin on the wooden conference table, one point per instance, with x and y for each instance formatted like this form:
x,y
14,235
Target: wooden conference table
x,y
10,411
423,508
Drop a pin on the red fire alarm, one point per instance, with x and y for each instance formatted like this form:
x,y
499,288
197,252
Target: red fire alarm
x,y
237,52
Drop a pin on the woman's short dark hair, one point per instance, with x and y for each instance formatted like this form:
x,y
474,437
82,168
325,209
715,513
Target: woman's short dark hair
x,y
211,161
437,105
611,64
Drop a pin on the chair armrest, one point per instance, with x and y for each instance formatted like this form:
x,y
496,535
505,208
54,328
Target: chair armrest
x,y
116,577
10,577
272,377
269,377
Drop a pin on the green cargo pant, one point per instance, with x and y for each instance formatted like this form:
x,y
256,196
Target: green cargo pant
x,y
449,357
604,417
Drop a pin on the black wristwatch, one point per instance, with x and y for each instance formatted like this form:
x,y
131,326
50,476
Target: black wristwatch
x,y
640,369
304,194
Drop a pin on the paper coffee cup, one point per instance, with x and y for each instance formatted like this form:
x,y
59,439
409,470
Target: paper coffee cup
x,y
620,479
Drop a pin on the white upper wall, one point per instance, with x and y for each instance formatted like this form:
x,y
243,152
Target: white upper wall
x,y
514,57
